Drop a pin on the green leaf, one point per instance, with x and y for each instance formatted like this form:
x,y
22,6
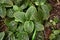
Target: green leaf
x,y
19,16
2,12
28,26
10,13
58,37
15,8
38,16
20,28
2,34
52,36
56,19
39,35
13,24
40,2
10,36
56,32
23,6
29,13
39,26
46,8
22,36
6,3
2,1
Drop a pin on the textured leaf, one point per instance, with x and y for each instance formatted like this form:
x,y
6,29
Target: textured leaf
x,y
2,12
10,36
2,34
15,8
39,36
29,13
20,28
23,6
46,9
10,13
39,26
19,16
22,36
7,3
13,24
38,16
17,2
42,2
29,26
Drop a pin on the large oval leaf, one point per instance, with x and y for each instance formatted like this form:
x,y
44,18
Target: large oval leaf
x,y
29,13
28,26
19,16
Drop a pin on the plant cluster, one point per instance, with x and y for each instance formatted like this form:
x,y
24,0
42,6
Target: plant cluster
x,y
25,19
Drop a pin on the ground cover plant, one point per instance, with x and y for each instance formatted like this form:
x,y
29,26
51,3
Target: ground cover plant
x,y
29,19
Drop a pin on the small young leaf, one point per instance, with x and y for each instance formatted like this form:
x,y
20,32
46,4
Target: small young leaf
x,y
29,26
13,24
56,19
15,8
40,2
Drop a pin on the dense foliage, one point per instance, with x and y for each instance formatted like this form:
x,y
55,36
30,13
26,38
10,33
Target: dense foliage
x,y
25,19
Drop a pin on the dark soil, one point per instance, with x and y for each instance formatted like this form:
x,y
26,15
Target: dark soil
x,y
54,12
3,27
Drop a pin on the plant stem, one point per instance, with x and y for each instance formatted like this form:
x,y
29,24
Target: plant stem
x,y
34,35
